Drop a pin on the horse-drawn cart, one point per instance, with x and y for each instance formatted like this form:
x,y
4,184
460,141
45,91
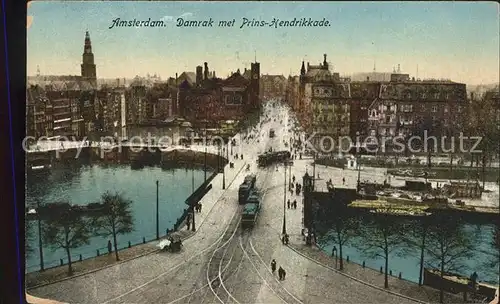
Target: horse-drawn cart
x,y
172,243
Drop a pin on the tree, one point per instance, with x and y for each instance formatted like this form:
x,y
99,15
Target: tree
x,y
117,218
414,237
381,235
483,123
343,224
448,245
66,228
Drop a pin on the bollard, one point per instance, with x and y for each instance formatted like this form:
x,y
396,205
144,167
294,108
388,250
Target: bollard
x,y
97,252
390,272
129,244
81,258
363,264
143,240
62,262
347,259
381,269
399,276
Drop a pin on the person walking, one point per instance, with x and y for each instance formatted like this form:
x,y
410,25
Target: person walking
x,y
288,204
283,272
273,266
280,273
343,180
110,247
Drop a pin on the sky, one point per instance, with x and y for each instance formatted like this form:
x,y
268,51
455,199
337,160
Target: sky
x,y
453,40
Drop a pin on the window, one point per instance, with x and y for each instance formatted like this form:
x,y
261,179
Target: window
x,y
459,109
446,109
436,95
424,95
434,109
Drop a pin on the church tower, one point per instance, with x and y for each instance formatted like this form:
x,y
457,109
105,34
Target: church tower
x,y
88,66
255,84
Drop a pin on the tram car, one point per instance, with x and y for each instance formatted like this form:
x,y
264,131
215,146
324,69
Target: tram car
x,y
251,210
270,158
245,188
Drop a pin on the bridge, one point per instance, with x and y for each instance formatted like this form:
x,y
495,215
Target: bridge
x,y
46,146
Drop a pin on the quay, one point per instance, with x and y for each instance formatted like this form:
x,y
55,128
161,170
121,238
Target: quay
x,y
240,259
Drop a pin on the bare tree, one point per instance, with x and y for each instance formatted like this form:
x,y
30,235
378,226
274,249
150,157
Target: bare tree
x,y
381,236
67,229
343,224
117,218
447,245
414,237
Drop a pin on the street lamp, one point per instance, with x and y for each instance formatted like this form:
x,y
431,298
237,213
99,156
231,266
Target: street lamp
x,y
284,201
359,174
205,142
157,213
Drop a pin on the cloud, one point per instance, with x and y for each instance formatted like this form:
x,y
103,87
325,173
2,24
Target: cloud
x,y
173,18
185,15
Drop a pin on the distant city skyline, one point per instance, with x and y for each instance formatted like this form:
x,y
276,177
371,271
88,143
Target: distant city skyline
x,y
455,40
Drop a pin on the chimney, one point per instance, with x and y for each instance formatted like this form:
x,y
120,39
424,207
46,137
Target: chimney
x,y
367,78
399,68
472,96
214,74
176,77
206,70
118,82
413,79
308,66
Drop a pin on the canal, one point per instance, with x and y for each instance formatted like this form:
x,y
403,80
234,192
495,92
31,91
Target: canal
x,y
83,184
407,261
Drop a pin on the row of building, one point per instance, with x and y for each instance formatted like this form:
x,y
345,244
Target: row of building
x,y
80,105
328,104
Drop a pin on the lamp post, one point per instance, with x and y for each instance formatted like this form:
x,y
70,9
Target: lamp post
x,y
314,171
157,213
359,174
284,201
40,248
192,172
205,157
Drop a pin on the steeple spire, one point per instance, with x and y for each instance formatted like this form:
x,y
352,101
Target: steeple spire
x,y
325,63
303,69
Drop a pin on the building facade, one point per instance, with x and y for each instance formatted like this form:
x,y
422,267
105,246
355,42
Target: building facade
x,y
368,110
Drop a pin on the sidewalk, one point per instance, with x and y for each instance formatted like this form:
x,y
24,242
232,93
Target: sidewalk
x,y
367,275
121,279
94,264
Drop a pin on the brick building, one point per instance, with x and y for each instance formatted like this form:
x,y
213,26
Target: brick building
x,y
214,99
329,105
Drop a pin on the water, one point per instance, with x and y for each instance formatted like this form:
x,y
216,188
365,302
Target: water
x,y
408,263
85,184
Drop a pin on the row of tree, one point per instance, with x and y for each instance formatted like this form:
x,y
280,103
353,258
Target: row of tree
x,y
68,228
440,239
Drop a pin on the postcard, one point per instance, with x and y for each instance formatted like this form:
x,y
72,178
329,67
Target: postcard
x,y
262,152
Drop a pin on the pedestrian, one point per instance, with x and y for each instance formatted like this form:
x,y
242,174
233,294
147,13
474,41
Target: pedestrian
x,y
293,178
288,204
188,224
284,274
280,273
343,180
283,239
273,266
110,247
294,204
286,239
